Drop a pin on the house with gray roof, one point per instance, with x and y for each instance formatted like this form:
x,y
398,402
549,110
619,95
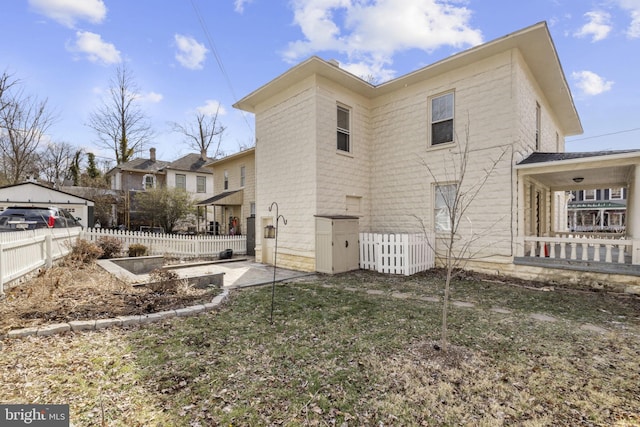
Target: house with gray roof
x,y
188,173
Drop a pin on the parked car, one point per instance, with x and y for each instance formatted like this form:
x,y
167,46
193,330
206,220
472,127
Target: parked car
x,y
32,217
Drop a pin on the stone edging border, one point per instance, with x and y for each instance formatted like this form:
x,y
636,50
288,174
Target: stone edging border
x,y
124,321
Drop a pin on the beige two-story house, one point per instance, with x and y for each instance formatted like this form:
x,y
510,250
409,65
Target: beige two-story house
x,y
234,200
332,145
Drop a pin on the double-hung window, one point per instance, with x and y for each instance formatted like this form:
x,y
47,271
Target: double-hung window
x,y
226,180
616,193
242,175
181,181
444,206
149,182
442,119
589,195
201,184
344,126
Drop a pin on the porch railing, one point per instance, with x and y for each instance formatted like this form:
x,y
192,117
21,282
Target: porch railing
x,y
593,247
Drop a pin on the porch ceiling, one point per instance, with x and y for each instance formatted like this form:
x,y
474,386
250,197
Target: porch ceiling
x,y
605,177
600,171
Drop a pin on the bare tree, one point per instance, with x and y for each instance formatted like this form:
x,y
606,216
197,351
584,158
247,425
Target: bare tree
x,y
54,162
204,132
120,123
455,192
24,120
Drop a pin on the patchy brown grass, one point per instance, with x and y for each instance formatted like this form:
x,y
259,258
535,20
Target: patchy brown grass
x,y
339,355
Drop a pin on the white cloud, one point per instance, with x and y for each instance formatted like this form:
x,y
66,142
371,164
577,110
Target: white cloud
x,y
191,54
68,12
239,5
94,48
211,107
150,97
370,32
633,6
590,83
597,28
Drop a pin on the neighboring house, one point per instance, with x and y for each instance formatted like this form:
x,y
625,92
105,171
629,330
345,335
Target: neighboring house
x,y
597,210
188,172
332,145
234,188
32,194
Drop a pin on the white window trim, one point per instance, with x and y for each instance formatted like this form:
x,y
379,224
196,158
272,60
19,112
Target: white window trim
x,y
431,145
616,198
584,194
144,180
443,212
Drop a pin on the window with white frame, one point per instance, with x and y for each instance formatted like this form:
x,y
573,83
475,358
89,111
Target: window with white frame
x,y
201,184
616,193
149,181
181,181
588,194
445,196
344,129
442,108
242,176
226,180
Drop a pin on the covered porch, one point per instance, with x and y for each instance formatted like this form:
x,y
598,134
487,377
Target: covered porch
x,y
227,213
546,237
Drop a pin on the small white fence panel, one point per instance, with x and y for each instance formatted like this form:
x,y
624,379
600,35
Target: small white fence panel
x,y
173,244
22,252
405,254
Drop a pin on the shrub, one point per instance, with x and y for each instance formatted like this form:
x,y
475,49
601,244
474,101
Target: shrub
x,y
111,246
84,252
137,249
163,280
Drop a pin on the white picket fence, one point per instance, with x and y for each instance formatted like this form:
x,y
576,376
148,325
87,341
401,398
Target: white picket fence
x,y
22,252
173,244
405,254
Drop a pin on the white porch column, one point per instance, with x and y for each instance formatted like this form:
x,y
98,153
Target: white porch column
x,y
633,214
521,213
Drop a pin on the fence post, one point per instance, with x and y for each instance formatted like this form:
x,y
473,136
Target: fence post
x,y
48,248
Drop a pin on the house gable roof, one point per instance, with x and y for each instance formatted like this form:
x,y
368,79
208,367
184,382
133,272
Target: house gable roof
x,y
217,162
534,42
191,163
142,166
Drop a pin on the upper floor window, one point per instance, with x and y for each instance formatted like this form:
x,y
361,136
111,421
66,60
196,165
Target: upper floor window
x,y
616,193
181,181
344,126
149,182
442,119
226,180
201,184
589,195
242,176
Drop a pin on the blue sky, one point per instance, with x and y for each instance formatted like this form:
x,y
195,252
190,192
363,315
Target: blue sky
x,y
198,55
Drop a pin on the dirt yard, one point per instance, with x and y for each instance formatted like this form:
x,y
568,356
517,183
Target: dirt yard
x,y
86,292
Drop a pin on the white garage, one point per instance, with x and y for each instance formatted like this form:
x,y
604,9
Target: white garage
x,y
32,194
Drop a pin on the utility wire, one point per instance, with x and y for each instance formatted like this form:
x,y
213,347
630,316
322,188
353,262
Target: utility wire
x,y
605,134
219,60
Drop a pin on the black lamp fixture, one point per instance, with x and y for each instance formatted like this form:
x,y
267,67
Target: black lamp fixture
x,y
578,179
